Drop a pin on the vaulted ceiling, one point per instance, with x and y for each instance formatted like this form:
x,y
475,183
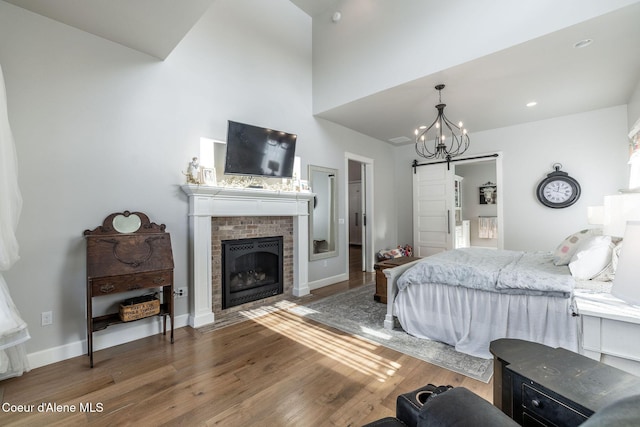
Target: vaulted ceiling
x,y
154,27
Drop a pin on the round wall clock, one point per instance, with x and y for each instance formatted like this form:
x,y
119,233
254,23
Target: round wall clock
x,y
558,189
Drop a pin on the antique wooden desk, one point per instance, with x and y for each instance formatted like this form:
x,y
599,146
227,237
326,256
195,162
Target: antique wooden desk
x,y
127,252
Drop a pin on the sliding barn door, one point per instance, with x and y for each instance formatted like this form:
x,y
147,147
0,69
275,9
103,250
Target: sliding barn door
x,y
433,225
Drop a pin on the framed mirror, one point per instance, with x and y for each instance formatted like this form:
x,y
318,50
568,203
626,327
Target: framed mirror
x,y
323,229
127,223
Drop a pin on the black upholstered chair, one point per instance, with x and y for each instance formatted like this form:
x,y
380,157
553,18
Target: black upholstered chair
x,y
462,408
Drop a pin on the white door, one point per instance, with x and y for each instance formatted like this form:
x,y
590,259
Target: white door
x,y
355,213
433,222
366,172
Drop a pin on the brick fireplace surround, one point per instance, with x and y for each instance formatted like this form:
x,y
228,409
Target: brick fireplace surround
x,y
218,213
242,227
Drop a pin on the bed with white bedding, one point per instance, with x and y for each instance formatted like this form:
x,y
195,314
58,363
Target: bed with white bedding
x,y
469,297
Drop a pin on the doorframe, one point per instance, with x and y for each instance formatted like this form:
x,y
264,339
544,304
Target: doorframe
x,y
499,191
367,195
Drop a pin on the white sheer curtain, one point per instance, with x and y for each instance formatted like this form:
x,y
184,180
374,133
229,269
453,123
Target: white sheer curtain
x,y
13,330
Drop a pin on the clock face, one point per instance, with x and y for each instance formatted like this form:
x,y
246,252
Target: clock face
x,y
558,190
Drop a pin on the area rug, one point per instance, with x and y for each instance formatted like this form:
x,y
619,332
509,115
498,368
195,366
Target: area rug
x,y
356,312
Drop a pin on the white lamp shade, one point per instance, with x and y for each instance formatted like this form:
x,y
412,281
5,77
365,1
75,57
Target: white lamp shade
x,y
595,215
618,209
626,283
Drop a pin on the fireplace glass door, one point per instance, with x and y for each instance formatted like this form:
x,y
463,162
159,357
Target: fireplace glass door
x,y
252,269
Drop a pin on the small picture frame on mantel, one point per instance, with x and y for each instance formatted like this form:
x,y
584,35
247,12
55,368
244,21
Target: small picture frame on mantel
x,y
209,176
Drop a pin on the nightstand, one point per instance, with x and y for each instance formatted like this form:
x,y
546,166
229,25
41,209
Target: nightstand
x,y
537,385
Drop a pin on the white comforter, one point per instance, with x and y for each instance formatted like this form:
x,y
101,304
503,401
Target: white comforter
x,y
531,273
521,295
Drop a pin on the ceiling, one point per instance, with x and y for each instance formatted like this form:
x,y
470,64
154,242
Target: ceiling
x,y
492,91
154,27
487,93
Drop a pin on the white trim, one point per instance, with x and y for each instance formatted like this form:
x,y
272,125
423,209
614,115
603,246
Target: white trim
x,y
328,281
206,202
499,155
110,337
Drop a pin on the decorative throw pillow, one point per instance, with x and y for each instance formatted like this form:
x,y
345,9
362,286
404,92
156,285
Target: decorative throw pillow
x,y
609,272
565,251
591,257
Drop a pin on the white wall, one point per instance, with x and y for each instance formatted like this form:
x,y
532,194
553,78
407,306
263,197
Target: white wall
x,y
338,139
592,147
101,128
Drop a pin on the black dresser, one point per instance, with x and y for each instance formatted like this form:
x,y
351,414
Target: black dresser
x,y
537,385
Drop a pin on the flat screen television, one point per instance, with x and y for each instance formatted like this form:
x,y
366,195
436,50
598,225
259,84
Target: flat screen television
x,y
256,151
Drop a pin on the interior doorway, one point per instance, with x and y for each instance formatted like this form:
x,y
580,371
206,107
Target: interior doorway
x,y
359,199
480,205
442,213
356,214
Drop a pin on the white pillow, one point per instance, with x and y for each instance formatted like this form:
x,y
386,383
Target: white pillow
x,y
591,257
565,250
609,272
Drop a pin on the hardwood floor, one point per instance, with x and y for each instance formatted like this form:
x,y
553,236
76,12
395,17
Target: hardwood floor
x,y
274,369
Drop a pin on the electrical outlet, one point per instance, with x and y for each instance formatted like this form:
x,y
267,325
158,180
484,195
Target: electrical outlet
x,y
47,318
181,292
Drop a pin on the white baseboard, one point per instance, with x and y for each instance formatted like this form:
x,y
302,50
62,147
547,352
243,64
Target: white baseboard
x,y
112,336
328,281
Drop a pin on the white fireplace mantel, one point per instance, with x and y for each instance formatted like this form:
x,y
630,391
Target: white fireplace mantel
x,y
206,202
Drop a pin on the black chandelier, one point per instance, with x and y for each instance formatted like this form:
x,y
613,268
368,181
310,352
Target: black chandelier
x,y
449,141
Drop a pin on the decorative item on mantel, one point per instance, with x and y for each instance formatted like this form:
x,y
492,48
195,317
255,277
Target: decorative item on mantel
x,y
285,185
208,176
439,148
193,172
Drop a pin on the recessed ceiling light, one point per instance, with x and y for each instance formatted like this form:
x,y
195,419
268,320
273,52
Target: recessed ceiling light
x,y
532,104
582,43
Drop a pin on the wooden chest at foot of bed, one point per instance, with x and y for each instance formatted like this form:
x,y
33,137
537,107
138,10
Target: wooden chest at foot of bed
x,y
381,280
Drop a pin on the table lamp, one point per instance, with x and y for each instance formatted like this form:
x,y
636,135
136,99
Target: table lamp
x,y
626,283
